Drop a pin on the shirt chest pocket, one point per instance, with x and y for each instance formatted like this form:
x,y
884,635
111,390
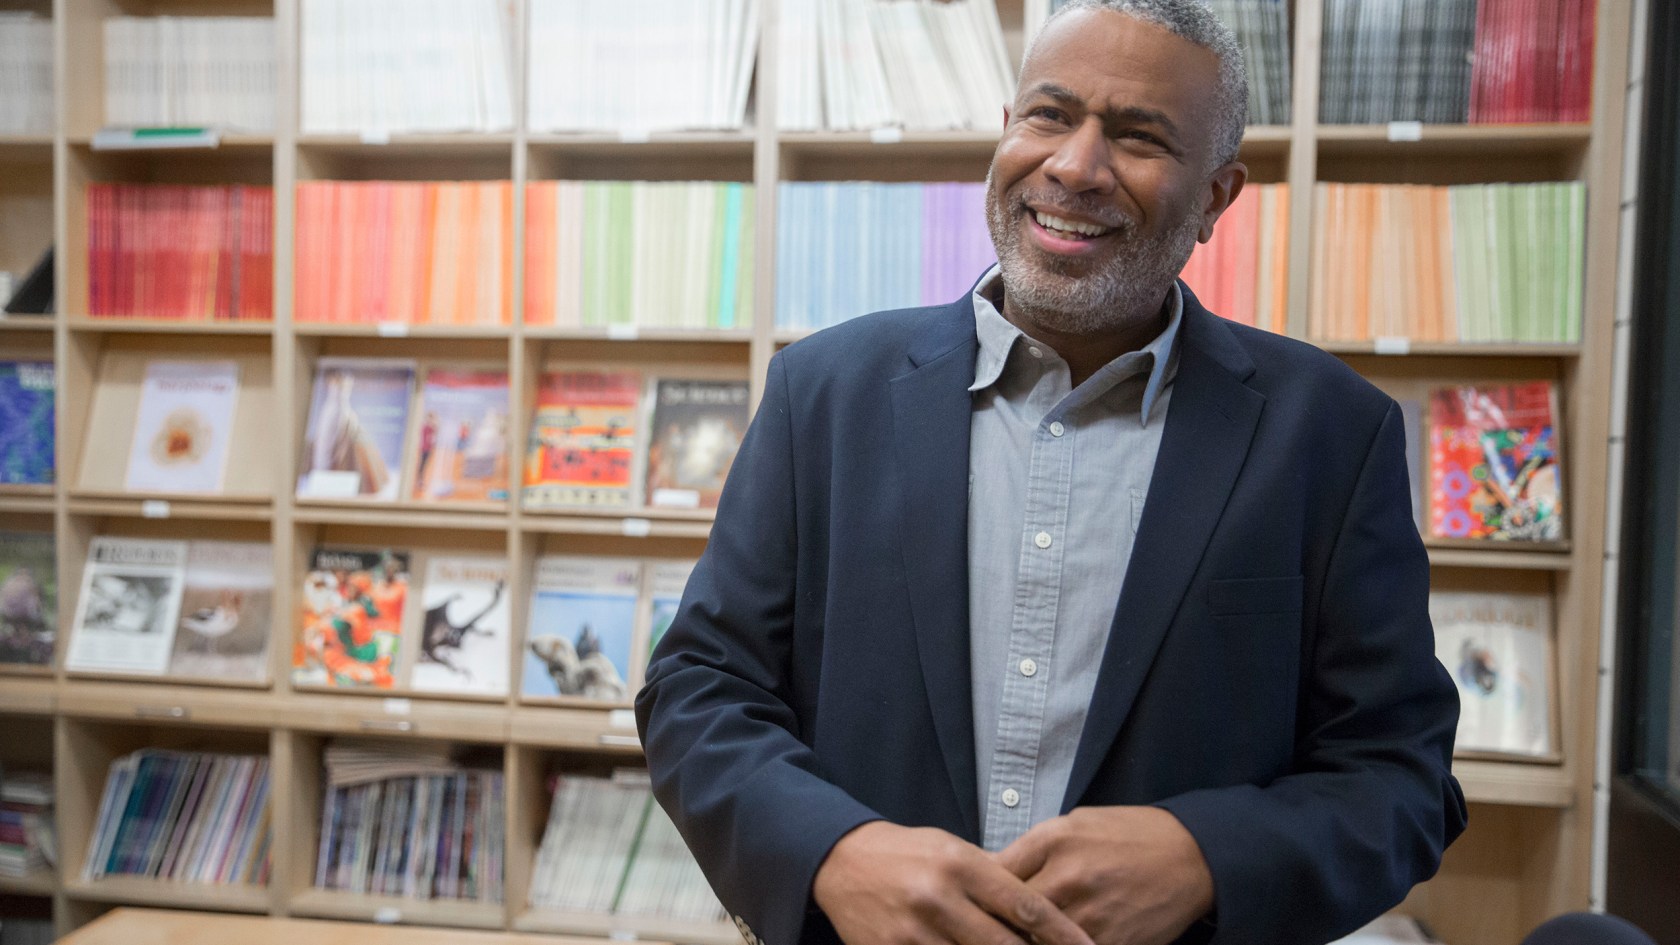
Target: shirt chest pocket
x,y
1240,596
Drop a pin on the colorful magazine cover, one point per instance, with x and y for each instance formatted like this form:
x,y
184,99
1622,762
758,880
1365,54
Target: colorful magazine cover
x,y
461,445
582,628
462,642
227,611
1498,649
358,415
1494,472
697,427
582,449
183,426
666,581
126,613
28,598
352,613
26,422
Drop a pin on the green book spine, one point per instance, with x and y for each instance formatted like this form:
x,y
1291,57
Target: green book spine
x,y
729,241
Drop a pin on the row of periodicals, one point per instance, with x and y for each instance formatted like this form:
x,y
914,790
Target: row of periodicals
x,y
1470,263
381,66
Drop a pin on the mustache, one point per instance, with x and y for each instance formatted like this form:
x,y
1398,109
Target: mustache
x,y
1063,203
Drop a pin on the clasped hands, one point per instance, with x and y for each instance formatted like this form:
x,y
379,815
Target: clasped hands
x,y
1094,876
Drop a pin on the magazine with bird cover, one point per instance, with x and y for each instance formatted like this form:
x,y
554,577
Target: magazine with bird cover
x,y
28,598
351,618
460,446
1498,648
666,581
697,426
358,416
26,422
1494,472
461,643
227,612
581,452
582,629
183,426
129,603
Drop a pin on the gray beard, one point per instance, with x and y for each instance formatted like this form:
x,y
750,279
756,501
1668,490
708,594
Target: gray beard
x,y
1127,291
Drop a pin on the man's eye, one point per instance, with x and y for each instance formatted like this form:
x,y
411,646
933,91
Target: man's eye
x,y
1143,136
1049,114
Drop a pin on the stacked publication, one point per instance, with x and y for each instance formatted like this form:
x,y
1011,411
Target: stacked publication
x,y
1494,463
434,253
609,849
29,588
1468,263
1451,61
1242,273
184,816
639,254
379,66
641,65
1262,30
27,394
410,822
26,74
194,253
27,840
848,248
182,71
848,65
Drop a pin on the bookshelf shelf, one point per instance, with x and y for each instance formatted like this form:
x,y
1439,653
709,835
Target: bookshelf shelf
x,y
37,883
27,690
37,500
633,335
1515,783
333,904
630,525
27,143
25,324
396,515
1452,557
116,325
391,713
226,143
627,927
1452,350
611,731
307,329
409,145
139,891
1447,140
168,702
232,508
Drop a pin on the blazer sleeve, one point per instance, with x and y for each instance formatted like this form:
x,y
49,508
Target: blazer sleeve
x,y
1370,803
717,716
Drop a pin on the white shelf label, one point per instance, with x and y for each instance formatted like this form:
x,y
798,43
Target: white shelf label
x,y
387,915
1393,344
393,329
154,508
886,135
637,528
622,935
398,706
622,332
376,136
1405,131
622,718
635,136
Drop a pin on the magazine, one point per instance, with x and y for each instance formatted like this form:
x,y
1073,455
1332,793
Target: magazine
x,y
227,611
582,447
582,628
461,445
28,598
697,427
126,613
1494,472
462,642
358,415
26,422
183,426
666,581
1498,649
351,613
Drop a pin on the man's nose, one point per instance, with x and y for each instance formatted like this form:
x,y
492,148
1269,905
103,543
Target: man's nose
x,y
1083,162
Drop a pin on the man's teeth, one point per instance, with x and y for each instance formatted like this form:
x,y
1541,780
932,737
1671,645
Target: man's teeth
x,y
1069,226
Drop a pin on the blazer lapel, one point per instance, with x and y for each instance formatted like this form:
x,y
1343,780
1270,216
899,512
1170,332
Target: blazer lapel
x,y
931,407
1210,424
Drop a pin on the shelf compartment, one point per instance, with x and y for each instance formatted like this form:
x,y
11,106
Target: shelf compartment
x,y
140,891
117,324
1455,139
450,913
627,927
42,882
406,157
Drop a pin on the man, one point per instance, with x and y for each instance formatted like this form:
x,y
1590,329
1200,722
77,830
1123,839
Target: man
x,y
1067,613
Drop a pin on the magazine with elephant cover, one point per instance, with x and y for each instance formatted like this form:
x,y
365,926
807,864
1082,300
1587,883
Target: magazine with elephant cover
x,y
350,631
127,609
1498,648
227,612
358,417
582,634
461,640
28,598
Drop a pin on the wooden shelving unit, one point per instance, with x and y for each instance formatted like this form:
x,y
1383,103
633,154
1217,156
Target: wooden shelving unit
x,y
1525,857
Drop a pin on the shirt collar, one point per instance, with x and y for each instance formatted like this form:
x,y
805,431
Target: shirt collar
x,y
998,336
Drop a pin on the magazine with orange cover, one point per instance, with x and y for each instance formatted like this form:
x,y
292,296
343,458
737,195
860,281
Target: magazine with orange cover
x,y
581,452
1494,471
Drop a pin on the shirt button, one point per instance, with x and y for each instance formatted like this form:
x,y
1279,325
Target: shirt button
x,y
1035,351
1056,429
1011,797
1029,668
1042,539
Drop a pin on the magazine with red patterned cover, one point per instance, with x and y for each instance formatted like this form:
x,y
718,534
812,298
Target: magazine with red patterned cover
x,y
1494,470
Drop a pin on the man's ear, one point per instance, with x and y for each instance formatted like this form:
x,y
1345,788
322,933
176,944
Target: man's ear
x,y
1222,190
1006,116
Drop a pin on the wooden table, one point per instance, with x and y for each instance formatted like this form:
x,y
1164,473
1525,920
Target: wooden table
x,y
169,927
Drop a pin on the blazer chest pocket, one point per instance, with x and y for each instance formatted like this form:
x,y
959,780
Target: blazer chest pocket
x,y
1238,596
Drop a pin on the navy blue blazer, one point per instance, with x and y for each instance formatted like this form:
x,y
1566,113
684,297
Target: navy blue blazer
x,y
1270,676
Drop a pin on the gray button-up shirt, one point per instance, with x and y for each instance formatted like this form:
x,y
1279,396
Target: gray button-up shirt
x,y
1057,480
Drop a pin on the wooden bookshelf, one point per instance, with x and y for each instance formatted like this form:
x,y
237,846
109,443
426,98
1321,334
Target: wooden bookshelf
x,y
1527,850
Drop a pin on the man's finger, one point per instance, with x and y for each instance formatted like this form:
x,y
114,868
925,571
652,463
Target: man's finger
x,y
1027,855
1025,909
969,924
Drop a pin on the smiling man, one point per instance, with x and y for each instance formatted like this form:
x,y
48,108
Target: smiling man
x,y
1066,613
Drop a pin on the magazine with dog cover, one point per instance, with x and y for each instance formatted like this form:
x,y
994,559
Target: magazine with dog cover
x,y
582,629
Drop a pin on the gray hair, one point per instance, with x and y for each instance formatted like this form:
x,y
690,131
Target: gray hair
x,y
1192,20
